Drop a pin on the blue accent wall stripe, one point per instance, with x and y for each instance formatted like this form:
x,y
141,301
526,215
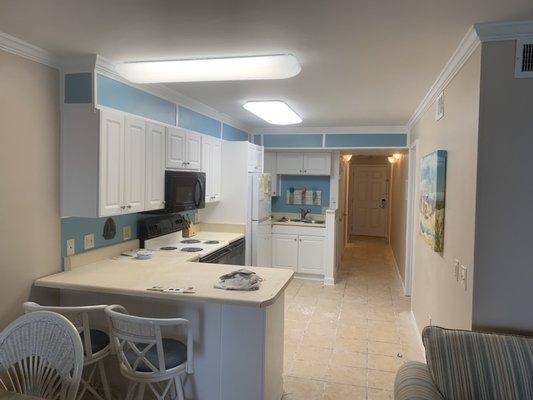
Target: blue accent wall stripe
x,y
118,95
279,203
298,141
258,140
366,140
233,134
194,121
78,88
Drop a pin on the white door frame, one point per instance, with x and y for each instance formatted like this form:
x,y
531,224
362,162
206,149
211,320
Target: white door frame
x,y
351,186
411,213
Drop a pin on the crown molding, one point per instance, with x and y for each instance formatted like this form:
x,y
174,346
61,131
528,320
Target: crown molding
x,y
460,56
300,130
107,67
495,31
24,49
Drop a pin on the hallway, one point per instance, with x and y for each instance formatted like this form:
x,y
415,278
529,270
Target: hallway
x,y
347,341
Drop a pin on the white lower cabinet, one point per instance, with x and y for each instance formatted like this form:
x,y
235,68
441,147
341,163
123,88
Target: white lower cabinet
x,y
311,254
301,253
285,251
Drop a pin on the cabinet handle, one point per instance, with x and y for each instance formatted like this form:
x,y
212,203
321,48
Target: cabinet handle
x,y
295,240
122,207
129,206
163,202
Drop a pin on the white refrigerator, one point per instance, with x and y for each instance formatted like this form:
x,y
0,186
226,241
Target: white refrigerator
x,y
258,229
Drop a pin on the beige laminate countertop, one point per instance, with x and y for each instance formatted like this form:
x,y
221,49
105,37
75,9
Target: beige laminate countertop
x,y
130,276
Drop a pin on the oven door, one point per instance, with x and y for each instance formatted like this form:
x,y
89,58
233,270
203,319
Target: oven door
x,y
184,191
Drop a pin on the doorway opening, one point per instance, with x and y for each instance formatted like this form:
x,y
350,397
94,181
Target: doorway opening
x,y
375,205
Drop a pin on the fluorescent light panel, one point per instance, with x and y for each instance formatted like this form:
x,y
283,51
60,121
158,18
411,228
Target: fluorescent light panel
x,y
280,66
274,112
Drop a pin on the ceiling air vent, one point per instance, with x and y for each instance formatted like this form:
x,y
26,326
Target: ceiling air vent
x,y
524,58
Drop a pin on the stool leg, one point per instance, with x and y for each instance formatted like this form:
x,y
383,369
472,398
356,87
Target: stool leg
x,y
179,388
103,379
140,393
131,390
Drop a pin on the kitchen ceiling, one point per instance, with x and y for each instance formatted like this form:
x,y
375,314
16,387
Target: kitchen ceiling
x,y
363,62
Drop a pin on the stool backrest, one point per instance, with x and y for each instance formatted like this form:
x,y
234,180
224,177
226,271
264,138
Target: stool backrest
x,y
41,355
138,335
79,316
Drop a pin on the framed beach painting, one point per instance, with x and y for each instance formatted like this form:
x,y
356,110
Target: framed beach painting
x,y
432,199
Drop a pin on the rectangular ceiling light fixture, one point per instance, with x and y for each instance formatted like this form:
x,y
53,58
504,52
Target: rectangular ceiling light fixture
x,y
274,112
279,66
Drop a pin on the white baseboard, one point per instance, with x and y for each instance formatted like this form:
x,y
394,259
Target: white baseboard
x,y
329,281
398,271
417,332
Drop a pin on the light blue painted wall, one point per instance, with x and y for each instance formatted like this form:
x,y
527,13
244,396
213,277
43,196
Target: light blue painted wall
x,y
300,140
233,134
279,204
76,228
194,121
366,140
79,88
258,139
118,95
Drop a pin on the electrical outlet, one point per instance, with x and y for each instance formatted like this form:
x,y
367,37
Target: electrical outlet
x,y
463,275
88,241
71,247
126,232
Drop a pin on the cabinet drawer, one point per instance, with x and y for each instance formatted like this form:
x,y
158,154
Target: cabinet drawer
x,y
299,230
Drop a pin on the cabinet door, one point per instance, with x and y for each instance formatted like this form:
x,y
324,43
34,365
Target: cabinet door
x,y
111,162
193,151
270,167
317,163
311,254
289,163
285,251
155,167
135,164
216,170
176,143
207,168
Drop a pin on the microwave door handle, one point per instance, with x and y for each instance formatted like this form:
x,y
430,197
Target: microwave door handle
x,y
198,200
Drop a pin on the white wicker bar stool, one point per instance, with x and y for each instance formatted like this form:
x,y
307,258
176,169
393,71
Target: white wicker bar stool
x,y
147,359
41,355
96,346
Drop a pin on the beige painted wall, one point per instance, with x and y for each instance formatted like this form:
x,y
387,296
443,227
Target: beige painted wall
x,y
29,171
504,270
398,198
436,292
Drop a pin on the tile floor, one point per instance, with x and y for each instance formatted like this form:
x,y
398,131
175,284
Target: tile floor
x,y
347,341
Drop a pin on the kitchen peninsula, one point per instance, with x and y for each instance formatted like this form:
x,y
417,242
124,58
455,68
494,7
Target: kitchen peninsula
x,y
238,336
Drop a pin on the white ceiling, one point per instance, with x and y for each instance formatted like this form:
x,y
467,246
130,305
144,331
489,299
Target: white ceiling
x,y
363,62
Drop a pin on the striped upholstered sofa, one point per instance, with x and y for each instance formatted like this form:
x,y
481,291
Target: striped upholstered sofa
x,y
468,365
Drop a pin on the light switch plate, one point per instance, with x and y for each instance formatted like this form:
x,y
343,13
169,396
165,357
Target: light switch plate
x,y
463,275
88,241
71,247
126,232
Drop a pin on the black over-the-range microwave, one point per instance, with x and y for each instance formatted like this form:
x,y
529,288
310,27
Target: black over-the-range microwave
x,y
184,191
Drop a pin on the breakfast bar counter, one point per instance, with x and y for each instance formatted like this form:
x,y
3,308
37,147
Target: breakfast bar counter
x,y
238,335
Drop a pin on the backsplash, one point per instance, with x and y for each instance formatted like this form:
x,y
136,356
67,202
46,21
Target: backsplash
x,y
297,182
76,228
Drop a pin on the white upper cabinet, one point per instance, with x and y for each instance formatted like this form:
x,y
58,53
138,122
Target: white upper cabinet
x,y
290,163
211,165
111,179
184,149
317,163
270,167
296,163
135,164
255,158
155,167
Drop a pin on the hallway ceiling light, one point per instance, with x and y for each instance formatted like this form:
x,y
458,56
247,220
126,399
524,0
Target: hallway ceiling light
x,y
279,66
347,157
397,156
274,112
391,159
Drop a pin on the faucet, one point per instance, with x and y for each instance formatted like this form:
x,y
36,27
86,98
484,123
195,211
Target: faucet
x,y
303,213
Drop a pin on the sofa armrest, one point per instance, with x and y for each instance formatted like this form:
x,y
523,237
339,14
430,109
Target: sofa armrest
x,y
413,382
